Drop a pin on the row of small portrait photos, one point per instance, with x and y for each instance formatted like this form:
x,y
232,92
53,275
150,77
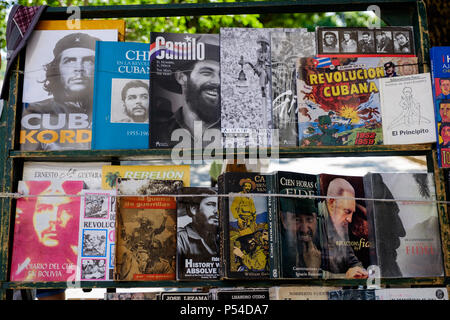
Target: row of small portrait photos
x,y
382,41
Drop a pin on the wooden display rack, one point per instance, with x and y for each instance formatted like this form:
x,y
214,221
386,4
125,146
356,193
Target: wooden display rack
x,y
395,13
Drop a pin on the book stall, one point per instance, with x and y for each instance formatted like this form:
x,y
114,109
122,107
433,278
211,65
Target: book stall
x,y
103,138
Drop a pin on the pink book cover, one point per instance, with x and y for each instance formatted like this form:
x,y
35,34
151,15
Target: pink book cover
x,y
46,231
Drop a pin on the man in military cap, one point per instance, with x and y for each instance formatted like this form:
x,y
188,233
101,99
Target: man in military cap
x,y
70,81
198,82
300,238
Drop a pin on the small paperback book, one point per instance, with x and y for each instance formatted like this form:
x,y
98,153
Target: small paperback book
x,y
198,255
146,229
407,109
46,231
299,227
96,238
184,90
339,100
346,234
121,96
286,48
244,221
57,94
406,231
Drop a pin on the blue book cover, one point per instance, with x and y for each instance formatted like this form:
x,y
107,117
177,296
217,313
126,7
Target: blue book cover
x,y
121,96
440,73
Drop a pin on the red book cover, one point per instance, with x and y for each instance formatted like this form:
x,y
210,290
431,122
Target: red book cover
x,y
46,231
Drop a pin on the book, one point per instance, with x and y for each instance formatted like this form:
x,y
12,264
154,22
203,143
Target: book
x,y
300,292
412,294
339,100
346,229
158,172
96,236
184,90
351,41
286,48
89,172
406,231
146,230
244,242
352,294
198,255
46,231
246,111
58,88
131,296
407,109
121,96
184,296
440,68
239,293
299,227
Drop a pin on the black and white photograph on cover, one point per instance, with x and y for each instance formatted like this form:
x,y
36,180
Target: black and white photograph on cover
x,y
93,269
402,42
197,231
94,243
384,42
59,78
184,93
96,206
246,85
286,48
366,41
330,41
348,42
129,100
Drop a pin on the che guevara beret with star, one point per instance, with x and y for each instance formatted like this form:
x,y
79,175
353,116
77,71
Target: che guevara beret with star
x,y
75,40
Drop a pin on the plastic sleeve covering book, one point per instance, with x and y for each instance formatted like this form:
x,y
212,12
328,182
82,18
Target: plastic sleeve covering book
x,y
46,231
407,236
58,88
121,96
146,230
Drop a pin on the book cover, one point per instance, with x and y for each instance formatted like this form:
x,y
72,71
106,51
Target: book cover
x,y
440,68
299,227
198,255
412,294
244,226
407,237
89,172
352,294
346,241
96,237
146,230
300,292
121,96
351,41
339,100
407,109
239,293
46,231
246,102
112,172
184,90
58,89
286,48
183,296
131,296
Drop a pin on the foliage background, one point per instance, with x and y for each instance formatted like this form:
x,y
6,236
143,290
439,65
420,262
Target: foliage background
x,y
138,29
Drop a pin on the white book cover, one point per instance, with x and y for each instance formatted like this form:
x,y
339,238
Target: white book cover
x,y
407,109
412,294
89,172
96,238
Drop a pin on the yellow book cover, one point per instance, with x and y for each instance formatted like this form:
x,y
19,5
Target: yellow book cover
x,y
84,25
110,173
